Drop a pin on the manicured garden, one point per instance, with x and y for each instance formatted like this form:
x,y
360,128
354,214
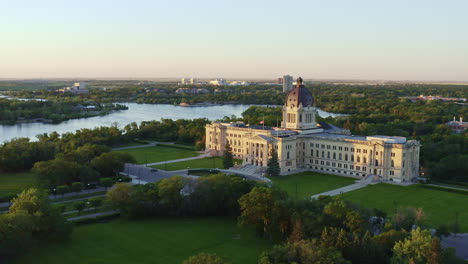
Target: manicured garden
x,y
211,162
440,205
159,153
306,184
14,183
152,241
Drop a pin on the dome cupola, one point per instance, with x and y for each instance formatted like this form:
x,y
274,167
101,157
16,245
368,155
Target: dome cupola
x,y
299,95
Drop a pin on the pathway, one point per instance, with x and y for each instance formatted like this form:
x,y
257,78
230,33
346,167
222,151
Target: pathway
x,y
178,160
92,215
151,144
71,194
358,185
448,187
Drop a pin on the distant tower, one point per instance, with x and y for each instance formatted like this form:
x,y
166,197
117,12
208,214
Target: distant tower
x,y
298,109
287,83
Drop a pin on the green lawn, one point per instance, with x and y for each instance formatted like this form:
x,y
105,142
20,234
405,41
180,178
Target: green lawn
x,y
164,241
310,183
159,153
212,162
440,206
14,183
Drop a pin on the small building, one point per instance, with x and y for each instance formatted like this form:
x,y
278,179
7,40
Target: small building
x,y
77,88
457,126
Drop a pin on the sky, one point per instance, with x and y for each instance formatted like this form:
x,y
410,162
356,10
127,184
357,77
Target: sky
x,y
316,39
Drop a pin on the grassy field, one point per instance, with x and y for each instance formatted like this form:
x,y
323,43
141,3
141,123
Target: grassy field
x,y
159,153
310,183
152,241
440,206
14,183
213,162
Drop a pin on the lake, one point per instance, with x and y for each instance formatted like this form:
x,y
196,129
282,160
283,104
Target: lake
x,y
135,113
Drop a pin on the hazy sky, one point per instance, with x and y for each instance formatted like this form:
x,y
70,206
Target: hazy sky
x,y
358,39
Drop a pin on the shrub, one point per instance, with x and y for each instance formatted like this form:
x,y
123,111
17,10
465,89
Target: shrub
x,y
62,189
79,206
77,187
106,182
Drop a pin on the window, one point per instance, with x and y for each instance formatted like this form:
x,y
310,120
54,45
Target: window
x,y
346,157
358,159
334,155
287,155
328,154
323,154
393,154
339,156
352,157
376,163
392,163
364,160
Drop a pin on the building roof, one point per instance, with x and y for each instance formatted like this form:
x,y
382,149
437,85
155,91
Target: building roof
x,y
299,95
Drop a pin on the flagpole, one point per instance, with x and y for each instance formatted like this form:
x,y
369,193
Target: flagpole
x,y
263,122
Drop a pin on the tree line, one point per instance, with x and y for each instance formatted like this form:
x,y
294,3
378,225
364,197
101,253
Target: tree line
x,y
13,111
324,230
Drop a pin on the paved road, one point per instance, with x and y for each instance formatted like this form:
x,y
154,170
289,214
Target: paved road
x,y
92,215
459,242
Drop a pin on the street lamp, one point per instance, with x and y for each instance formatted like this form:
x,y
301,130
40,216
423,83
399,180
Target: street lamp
x,y
55,193
88,187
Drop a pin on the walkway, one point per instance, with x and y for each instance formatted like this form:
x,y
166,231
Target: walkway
x,y
92,215
70,194
178,160
358,185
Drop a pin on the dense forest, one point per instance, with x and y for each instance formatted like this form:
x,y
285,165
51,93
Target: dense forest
x,y
13,111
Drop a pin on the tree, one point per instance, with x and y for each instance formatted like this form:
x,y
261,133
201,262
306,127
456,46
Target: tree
x,y
77,187
273,168
260,208
169,191
106,182
415,248
95,202
303,252
205,258
62,189
228,161
110,163
31,217
120,196
79,206
434,256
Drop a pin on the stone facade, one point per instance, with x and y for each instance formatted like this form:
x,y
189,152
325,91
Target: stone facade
x,y
302,144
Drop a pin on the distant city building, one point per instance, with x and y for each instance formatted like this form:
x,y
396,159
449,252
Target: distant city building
x,y
280,80
191,91
189,81
77,88
218,82
287,83
302,143
239,83
457,126
435,98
